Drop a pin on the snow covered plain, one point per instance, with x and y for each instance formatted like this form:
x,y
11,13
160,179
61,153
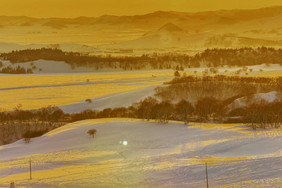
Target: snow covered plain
x,y
41,90
70,89
137,153
127,152
122,99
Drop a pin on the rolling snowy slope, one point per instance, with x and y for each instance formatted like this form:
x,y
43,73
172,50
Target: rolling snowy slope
x,y
135,153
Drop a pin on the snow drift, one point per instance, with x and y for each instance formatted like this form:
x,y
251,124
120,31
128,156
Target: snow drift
x,y
134,153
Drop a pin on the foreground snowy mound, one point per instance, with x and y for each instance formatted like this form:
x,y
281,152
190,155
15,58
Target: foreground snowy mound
x,y
136,153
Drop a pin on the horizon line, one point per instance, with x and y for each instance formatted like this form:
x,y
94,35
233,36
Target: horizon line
x,y
132,15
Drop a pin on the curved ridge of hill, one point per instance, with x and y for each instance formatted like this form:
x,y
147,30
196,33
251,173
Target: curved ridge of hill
x,y
169,35
234,16
170,27
172,36
133,153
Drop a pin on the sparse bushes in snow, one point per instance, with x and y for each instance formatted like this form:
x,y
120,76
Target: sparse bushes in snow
x,y
11,131
92,132
176,74
32,134
219,87
88,100
17,70
184,109
27,140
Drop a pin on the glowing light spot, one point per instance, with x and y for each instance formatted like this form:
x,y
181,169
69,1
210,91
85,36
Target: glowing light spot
x,y
125,143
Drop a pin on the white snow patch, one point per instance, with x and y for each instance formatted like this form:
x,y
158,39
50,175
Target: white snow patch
x,y
255,99
123,99
133,153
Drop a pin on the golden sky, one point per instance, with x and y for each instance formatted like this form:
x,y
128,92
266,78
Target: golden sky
x,y
94,8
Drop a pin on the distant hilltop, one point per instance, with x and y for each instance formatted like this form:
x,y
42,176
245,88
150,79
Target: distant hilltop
x,y
161,29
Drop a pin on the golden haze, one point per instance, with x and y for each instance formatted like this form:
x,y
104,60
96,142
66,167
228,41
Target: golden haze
x,y
93,8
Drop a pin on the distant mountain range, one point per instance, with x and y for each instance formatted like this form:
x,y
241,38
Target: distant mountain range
x,y
222,28
172,36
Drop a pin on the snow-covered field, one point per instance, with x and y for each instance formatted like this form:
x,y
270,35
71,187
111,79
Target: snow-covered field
x,y
122,99
130,152
70,90
136,153
47,67
41,90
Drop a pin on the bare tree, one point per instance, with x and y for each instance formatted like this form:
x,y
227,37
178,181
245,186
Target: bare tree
x,y
92,132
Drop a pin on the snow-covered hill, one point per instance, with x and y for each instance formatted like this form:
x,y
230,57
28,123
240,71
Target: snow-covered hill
x,y
255,99
135,153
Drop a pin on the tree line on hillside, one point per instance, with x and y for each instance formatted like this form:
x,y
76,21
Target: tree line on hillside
x,y
260,115
47,114
27,124
16,70
219,87
209,57
204,109
223,78
240,57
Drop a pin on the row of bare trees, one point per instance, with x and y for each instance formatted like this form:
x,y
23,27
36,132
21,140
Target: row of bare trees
x,y
260,115
263,115
225,88
204,109
19,123
47,114
210,58
16,70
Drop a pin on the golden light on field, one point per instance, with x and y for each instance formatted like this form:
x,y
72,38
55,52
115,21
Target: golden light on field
x,y
36,91
103,167
159,64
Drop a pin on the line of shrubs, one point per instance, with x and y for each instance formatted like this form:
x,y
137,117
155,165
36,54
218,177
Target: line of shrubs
x,y
226,88
33,134
209,57
17,70
204,110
